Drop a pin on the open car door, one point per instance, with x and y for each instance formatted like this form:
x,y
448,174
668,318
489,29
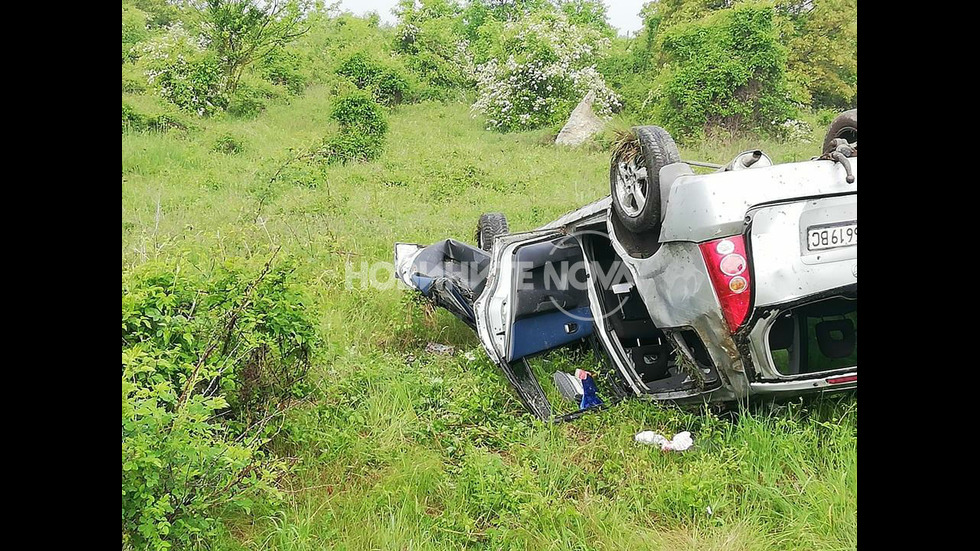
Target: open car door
x,y
535,300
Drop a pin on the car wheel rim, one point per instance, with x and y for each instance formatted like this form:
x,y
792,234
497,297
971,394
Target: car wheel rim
x,y
631,187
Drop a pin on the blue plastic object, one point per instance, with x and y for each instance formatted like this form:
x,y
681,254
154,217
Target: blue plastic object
x,y
589,396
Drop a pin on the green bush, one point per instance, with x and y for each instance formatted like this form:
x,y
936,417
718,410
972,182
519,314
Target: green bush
x,y
363,126
207,362
194,86
183,72
284,67
228,144
822,42
133,120
726,71
359,111
134,30
430,36
246,102
348,147
253,95
387,83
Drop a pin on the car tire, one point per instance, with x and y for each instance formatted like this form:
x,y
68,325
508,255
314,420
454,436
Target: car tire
x,y
843,126
491,225
635,184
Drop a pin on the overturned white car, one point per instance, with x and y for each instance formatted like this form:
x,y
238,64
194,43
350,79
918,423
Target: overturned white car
x,y
692,287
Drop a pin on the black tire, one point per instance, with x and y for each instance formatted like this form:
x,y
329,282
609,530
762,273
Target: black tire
x,y
657,149
491,225
844,126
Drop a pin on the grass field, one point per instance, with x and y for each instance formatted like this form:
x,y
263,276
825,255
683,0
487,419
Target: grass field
x,y
400,449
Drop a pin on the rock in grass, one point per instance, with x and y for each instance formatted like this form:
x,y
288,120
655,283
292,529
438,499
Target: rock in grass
x,y
581,125
436,348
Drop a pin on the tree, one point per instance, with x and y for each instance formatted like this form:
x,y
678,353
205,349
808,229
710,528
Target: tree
x,y
241,32
822,40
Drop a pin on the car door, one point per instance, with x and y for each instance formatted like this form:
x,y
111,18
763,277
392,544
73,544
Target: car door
x,y
536,299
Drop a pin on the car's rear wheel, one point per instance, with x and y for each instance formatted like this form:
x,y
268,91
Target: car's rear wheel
x,y
843,126
634,177
491,225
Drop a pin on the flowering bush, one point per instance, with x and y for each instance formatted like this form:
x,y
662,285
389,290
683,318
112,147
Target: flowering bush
x,y
182,71
538,69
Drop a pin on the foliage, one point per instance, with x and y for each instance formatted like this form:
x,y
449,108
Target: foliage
x,y
587,13
822,40
252,96
207,364
284,67
429,35
239,32
228,144
134,29
160,13
384,81
363,126
727,71
133,120
540,68
182,71
628,69
404,448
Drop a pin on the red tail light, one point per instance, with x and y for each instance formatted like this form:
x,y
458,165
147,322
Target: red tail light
x,y
728,267
841,380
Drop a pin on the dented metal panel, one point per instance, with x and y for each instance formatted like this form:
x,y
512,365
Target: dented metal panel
x,y
779,250
708,206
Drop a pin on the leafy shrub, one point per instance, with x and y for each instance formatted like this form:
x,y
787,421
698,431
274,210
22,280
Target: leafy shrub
x,y
284,67
363,126
133,120
822,42
241,32
351,146
726,70
183,72
253,95
194,86
359,111
133,80
387,84
429,35
246,102
228,144
540,67
134,30
207,362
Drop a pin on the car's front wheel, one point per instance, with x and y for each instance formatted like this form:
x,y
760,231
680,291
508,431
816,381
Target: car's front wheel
x,y
634,177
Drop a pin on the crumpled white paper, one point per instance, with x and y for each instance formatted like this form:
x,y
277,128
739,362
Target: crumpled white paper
x,y
680,442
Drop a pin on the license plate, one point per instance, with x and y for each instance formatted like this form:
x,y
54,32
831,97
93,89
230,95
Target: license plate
x,y
829,237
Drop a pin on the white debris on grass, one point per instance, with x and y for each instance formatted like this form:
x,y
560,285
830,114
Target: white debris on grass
x,y
679,443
